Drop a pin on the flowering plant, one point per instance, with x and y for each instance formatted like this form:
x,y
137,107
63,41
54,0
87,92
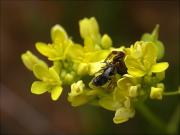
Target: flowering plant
x,y
78,66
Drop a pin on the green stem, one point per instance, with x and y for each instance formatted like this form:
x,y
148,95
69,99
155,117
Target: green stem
x,y
150,117
172,93
173,124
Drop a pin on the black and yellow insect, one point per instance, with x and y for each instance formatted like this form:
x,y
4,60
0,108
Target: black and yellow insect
x,y
116,65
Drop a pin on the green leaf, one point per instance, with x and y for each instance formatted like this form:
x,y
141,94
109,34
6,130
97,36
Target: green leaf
x,y
159,67
160,49
39,87
29,60
56,92
146,37
153,36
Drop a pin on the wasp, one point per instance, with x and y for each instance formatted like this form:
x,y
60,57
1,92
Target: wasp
x,y
116,65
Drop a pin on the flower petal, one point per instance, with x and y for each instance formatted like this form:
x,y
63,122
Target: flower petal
x,y
54,75
122,115
44,49
89,28
41,72
78,100
56,92
96,56
52,51
75,52
77,88
159,67
135,68
58,34
89,45
29,60
150,54
39,87
108,103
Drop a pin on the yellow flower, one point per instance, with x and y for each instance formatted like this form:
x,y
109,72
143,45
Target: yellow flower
x,y
29,60
122,98
50,81
56,50
123,114
89,28
77,88
78,96
72,62
141,60
153,37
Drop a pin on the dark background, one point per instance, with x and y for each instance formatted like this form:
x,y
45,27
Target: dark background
x,y
23,23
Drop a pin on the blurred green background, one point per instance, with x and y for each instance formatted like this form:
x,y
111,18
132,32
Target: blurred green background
x,y
23,23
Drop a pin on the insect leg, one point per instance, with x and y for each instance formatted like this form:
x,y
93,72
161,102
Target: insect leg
x,y
110,55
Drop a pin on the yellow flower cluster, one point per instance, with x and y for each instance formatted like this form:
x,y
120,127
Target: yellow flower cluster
x,y
77,65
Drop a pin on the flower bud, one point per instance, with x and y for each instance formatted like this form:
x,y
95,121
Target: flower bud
x,y
156,93
133,91
106,41
77,88
89,28
160,85
58,34
68,78
82,69
63,73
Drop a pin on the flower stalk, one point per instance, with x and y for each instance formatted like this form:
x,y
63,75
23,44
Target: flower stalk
x,y
151,117
172,93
